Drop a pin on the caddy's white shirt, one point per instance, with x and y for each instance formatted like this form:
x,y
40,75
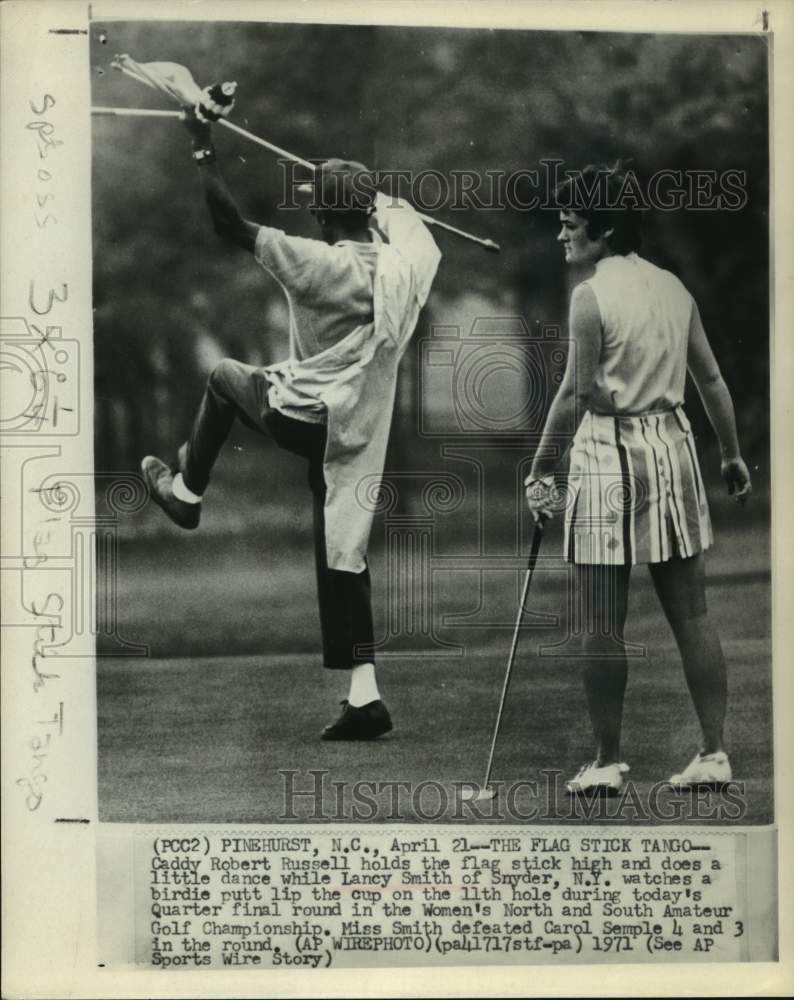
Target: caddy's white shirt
x,y
353,308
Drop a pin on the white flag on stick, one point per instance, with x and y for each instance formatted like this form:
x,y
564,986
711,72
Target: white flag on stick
x,y
177,82
214,103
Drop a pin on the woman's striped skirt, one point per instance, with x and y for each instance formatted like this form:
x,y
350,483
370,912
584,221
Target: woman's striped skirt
x,y
635,493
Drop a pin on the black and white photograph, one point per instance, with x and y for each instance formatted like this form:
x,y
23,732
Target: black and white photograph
x,y
394,438
354,425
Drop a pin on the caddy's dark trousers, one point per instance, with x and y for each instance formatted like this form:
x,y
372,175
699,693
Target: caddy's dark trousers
x,y
235,390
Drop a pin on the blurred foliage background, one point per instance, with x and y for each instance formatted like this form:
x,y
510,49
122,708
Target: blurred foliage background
x,y
171,298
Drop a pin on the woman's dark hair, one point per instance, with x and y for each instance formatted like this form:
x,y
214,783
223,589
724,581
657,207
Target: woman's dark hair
x,y
607,198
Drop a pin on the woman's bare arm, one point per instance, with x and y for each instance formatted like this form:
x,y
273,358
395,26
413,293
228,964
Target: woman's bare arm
x,y
718,404
573,396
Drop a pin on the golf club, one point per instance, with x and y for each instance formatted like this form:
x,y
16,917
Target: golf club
x,y
484,792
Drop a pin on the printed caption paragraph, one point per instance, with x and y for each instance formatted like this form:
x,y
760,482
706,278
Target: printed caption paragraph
x,y
236,900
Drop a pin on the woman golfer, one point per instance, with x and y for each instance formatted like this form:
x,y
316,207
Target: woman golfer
x,y
635,493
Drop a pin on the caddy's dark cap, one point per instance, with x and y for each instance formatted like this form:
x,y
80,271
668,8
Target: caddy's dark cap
x,y
343,186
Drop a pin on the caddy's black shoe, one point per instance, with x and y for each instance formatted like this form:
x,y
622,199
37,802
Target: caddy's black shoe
x,y
365,723
160,479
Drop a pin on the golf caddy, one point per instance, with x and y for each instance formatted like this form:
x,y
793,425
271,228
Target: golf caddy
x,y
354,297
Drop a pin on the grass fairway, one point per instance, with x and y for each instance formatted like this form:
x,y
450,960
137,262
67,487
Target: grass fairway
x,y
202,738
202,741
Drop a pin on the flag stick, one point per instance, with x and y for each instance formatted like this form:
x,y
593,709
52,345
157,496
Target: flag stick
x,y
267,145
135,113
147,113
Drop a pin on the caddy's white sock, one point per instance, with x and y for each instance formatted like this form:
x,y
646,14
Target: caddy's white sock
x,y
363,686
181,492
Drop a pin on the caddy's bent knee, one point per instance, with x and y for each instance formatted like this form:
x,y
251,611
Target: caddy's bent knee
x,y
222,374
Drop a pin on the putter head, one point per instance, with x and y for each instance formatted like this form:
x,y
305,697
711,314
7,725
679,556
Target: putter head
x,y
484,794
